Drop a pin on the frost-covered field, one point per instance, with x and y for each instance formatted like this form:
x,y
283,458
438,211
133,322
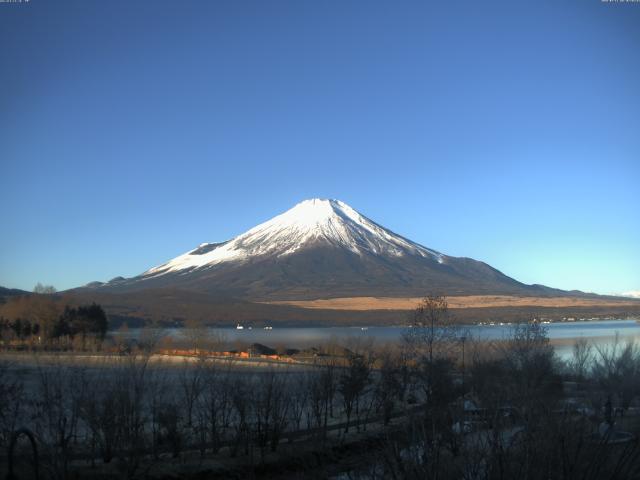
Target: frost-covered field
x,y
127,408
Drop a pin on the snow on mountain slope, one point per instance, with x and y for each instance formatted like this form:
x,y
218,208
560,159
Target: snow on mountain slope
x,y
312,221
319,249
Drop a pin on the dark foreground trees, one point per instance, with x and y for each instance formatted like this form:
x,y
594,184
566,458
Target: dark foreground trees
x,y
131,415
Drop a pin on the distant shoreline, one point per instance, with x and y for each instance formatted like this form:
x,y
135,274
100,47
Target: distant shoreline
x,y
258,325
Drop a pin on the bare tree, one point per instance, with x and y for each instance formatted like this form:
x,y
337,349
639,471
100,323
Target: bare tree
x,y
41,310
269,410
155,399
215,403
528,352
616,368
322,387
11,402
298,393
44,289
351,384
191,381
169,425
581,359
431,333
150,338
98,410
389,386
56,412
241,399
200,338
130,389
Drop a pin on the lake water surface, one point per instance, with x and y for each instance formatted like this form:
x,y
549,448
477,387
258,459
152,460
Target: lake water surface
x,y
561,334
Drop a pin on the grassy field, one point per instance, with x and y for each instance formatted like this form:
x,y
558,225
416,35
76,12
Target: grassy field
x,y
471,301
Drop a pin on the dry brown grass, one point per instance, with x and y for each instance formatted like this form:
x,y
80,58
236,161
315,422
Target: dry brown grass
x,y
470,301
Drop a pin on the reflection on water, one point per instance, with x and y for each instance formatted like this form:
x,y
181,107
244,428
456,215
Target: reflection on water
x,y
562,334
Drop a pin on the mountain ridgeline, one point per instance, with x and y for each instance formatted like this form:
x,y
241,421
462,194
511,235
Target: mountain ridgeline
x,y
321,249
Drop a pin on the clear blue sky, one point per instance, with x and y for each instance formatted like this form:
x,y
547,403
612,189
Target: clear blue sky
x,y
131,131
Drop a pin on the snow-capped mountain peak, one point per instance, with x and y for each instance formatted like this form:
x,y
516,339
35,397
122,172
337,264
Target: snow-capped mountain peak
x,y
314,221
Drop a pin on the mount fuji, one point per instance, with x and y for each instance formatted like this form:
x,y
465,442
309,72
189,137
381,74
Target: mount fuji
x,y
321,249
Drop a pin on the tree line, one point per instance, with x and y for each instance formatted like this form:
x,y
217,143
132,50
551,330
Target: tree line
x,y
44,319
